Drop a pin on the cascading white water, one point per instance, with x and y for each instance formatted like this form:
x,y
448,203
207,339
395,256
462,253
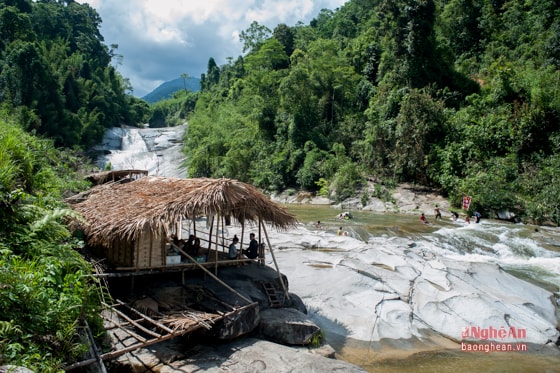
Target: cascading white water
x,y
515,247
157,150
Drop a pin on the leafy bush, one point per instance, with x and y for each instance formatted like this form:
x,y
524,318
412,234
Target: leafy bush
x,y
45,285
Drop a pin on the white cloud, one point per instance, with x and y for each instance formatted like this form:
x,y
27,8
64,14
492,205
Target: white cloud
x,y
161,39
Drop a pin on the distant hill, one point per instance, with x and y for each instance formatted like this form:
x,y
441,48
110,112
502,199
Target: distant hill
x,y
167,89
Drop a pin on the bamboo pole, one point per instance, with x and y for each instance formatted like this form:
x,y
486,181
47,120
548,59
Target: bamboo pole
x,y
210,234
214,277
240,253
275,263
159,325
223,230
145,330
216,245
260,259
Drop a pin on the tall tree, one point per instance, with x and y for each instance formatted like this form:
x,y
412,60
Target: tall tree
x,y
254,36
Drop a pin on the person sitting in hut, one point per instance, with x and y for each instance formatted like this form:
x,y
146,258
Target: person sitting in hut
x,y
253,251
196,247
176,241
190,246
177,245
232,254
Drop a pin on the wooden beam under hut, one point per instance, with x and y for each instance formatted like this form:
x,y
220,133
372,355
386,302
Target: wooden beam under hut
x,y
142,330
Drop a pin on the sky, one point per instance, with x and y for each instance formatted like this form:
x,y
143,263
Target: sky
x,y
161,39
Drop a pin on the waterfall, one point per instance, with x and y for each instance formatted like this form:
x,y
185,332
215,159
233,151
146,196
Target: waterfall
x,y
157,150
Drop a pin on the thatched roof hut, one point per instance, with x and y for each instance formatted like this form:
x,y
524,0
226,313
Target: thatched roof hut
x,y
133,221
124,210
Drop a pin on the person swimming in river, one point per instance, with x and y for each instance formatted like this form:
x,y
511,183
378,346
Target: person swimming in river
x,y
344,216
477,216
423,219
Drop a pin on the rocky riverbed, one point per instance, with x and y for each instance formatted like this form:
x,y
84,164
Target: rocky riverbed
x,y
257,339
392,293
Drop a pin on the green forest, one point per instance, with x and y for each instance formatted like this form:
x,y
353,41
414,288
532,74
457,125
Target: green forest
x,y
58,94
459,95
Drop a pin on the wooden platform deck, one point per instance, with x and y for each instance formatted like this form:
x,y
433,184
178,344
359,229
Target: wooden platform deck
x,y
214,260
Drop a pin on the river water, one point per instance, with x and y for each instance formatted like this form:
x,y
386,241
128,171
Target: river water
x,y
530,253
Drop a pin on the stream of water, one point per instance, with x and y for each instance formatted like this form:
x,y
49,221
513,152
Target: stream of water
x,y
528,252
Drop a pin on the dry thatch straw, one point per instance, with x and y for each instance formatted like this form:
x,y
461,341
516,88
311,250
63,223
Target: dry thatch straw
x,y
185,320
123,211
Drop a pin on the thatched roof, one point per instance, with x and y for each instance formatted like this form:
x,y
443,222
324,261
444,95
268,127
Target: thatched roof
x,y
116,211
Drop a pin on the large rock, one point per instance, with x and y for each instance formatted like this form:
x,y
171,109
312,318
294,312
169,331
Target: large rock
x,y
288,326
242,355
390,288
237,324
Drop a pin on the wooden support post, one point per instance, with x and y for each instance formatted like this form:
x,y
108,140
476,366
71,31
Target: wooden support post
x,y
210,234
240,252
223,228
261,258
275,263
216,246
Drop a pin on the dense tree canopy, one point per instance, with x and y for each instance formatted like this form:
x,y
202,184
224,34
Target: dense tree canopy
x,y
460,94
55,72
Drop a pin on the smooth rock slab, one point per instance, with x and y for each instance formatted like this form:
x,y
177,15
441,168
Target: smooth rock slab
x,y
245,355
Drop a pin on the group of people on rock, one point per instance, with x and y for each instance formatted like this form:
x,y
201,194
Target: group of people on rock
x,y
190,246
454,215
252,252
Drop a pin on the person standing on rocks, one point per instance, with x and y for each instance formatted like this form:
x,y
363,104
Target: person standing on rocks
x,y
437,212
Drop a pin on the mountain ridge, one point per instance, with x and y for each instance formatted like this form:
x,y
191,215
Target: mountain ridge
x,y
167,89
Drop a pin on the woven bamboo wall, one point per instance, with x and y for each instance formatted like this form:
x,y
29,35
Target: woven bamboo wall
x,y
150,250
120,253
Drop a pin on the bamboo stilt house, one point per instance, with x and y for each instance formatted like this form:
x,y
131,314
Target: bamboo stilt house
x,y
132,222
